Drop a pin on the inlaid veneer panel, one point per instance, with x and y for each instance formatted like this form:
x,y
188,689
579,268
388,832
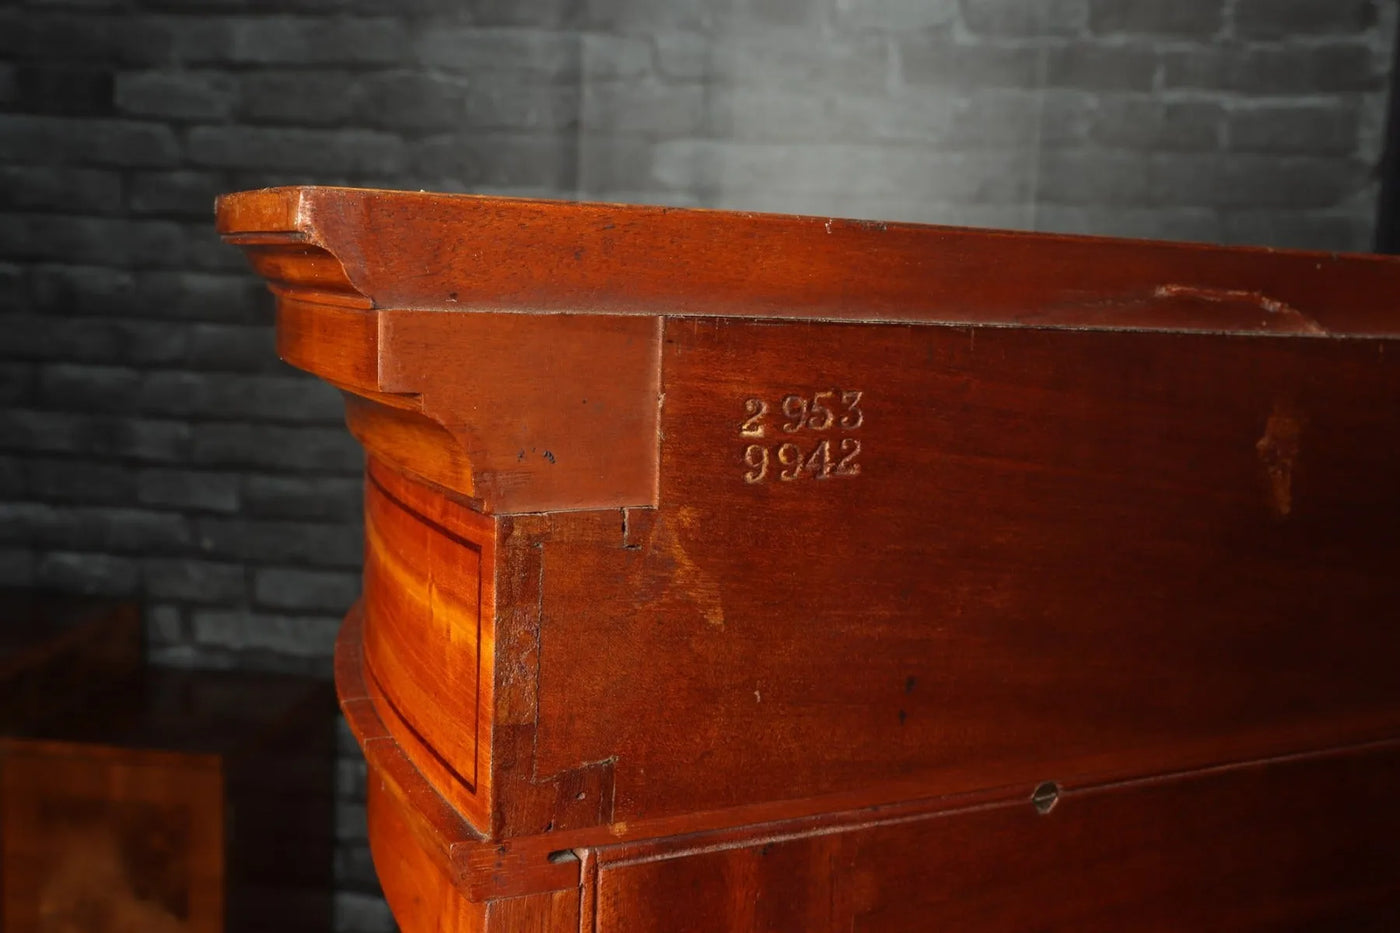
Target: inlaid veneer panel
x,y
427,633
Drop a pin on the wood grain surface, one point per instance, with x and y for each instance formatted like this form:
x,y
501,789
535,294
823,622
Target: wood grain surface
x,y
733,571
403,249
1064,554
1251,848
111,842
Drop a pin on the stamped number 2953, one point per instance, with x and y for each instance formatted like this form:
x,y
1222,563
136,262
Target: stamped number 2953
x,y
805,435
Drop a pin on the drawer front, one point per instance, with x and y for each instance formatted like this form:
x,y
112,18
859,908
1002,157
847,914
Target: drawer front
x,y
1305,844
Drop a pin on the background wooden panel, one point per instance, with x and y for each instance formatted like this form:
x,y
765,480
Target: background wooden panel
x,y
1066,554
176,800
1299,845
107,841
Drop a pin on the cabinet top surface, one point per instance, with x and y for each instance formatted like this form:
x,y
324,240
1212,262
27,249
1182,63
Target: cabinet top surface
x,y
451,252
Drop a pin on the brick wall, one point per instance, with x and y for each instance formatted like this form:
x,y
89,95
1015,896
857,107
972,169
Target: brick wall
x,y
151,444
1241,121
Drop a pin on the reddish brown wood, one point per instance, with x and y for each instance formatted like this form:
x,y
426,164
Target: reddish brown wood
x,y
692,533
110,842
1048,566
459,252
1249,848
116,815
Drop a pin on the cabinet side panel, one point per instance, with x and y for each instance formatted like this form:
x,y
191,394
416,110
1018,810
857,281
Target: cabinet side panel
x,y
549,912
892,562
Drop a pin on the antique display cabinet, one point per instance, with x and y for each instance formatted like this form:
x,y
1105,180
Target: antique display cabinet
x,y
746,572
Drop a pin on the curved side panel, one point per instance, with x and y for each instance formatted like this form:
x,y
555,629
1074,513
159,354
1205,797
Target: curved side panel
x,y
421,896
427,636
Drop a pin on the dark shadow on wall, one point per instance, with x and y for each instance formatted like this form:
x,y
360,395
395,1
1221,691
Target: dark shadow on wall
x,y
1388,213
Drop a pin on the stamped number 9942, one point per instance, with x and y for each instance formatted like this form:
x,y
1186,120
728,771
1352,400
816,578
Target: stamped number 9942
x,y
814,435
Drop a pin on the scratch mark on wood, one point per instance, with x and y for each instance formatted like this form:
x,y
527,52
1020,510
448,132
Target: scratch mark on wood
x,y
1300,322
1278,451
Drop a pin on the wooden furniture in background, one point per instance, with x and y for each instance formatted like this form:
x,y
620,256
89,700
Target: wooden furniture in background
x,y
150,800
743,572
57,651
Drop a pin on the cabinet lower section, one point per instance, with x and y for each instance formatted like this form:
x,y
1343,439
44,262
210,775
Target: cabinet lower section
x,y
1302,842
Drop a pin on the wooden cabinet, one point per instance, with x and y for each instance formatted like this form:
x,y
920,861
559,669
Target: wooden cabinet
x,y
731,572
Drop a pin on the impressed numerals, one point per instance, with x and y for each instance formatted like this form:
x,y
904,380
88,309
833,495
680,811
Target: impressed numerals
x,y
833,412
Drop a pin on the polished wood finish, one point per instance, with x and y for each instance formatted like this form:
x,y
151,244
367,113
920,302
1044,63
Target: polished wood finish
x,y
751,572
1246,848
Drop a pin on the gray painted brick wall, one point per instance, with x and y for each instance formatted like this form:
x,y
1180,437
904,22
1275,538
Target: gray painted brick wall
x,y
152,445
